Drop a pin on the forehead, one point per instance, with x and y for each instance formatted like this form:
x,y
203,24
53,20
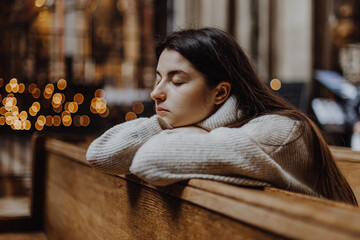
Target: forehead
x,y
171,60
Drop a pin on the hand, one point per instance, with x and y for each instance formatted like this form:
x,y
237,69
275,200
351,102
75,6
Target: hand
x,y
190,129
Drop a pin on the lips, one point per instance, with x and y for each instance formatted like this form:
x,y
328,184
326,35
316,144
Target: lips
x,y
161,111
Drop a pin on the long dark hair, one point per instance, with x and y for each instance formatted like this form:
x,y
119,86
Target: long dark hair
x,y
219,57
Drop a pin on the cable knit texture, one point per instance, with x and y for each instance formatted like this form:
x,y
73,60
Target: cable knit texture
x,y
268,151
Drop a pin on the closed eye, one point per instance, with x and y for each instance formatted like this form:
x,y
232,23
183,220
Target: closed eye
x,y
178,83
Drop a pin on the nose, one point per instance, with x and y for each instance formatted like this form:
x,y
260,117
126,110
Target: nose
x,y
158,94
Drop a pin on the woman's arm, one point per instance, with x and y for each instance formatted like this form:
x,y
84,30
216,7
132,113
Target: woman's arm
x,y
238,155
114,151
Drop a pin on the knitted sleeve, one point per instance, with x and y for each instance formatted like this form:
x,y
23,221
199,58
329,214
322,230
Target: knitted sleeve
x,y
235,155
113,151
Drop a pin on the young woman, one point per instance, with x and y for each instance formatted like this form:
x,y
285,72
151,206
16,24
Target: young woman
x,y
216,120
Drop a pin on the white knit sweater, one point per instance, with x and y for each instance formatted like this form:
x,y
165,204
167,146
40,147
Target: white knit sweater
x,y
268,151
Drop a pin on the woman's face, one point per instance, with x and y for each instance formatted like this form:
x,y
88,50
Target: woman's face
x,y
181,94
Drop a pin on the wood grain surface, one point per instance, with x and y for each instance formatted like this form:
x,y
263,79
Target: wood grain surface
x,y
82,203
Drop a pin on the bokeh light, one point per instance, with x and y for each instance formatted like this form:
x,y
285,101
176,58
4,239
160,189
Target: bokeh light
x,y
61,84
56,120
105,114
23,115
31,87
138,107
2,120
8,88
19,119
130,116
21,88
85,120
79,98
99,93
40,3
38,127
275,84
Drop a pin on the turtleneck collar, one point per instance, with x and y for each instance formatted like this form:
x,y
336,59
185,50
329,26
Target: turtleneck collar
x,y
226,115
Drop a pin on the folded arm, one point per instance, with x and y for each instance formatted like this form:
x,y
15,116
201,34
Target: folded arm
x,y
113,151
241,156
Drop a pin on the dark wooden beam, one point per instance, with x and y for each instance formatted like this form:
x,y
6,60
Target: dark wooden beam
x,y
231,17
160,18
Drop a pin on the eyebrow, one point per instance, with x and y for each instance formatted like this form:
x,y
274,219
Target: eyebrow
x,y
173,72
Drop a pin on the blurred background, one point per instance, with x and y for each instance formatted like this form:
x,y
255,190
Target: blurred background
x,y
74,68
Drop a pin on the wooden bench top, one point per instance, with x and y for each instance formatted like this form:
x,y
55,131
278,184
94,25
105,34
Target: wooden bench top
x,y
282,213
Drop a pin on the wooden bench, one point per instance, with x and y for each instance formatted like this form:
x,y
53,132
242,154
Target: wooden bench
x,y
82,203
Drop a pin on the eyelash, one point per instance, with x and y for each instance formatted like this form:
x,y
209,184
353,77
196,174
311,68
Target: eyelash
x,y
177,83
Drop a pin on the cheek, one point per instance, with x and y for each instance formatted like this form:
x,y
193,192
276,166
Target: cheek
x,y
195,102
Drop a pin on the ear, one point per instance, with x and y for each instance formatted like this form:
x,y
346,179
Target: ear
x,y
222,92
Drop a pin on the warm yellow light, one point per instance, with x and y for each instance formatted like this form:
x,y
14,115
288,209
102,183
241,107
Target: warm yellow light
x,y
138,107
66,106
17,124
56,120
31,87
9,120
275,84
48,120
40,3
67,120
38,126
85,120
65,113
21,88
36,106
57,109
2,120
15,110
15,89
8,88
8,106
93,102
99,104
62,98
99,93
15,117
46,95
1,82
13,81
61,84
2,110
23,125
10,101
79,98
56,105
93,110
23,115
73,107
36,93
41,120
57,98
130,116
31,111
27,124
105,114
49,89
